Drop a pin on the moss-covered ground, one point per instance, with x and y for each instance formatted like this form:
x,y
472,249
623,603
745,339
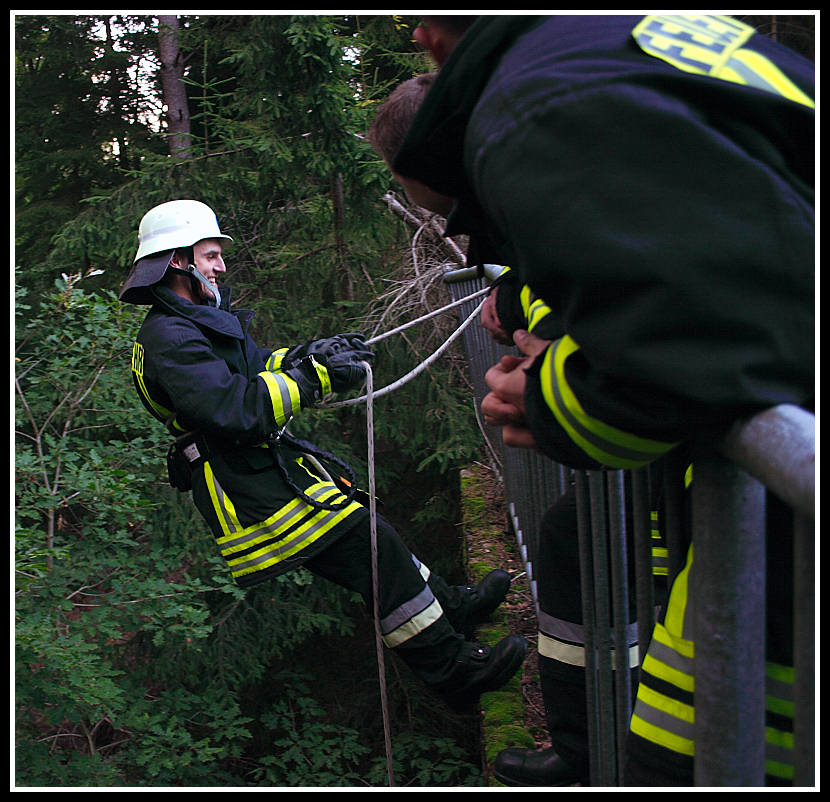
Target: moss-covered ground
x,y
513,715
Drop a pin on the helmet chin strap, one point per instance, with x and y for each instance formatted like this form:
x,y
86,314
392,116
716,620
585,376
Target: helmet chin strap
x,y
195,274
212,287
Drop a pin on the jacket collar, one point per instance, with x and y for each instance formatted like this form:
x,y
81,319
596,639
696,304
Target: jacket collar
x,y
220,320
433,151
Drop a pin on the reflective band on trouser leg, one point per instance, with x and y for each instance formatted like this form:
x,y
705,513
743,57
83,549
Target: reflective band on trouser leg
x,y
261,546
564,642
606,444
410,618
423,570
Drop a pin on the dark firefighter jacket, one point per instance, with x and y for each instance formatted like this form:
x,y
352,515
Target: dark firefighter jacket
x,y
197,369
650,179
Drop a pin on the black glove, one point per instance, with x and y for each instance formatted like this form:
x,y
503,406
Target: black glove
x,y
333,361
352,343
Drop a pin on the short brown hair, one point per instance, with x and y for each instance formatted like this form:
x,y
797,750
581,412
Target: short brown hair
x,y
392,120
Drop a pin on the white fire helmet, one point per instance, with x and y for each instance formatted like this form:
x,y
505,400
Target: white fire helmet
x,y
165,228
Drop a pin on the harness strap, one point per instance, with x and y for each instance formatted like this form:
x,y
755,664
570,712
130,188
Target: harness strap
x,y
347,484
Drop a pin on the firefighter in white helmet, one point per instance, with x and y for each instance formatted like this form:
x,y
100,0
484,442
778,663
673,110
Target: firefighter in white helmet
x,y
273,502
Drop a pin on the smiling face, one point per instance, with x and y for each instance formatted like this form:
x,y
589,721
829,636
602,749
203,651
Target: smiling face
x,y
207,259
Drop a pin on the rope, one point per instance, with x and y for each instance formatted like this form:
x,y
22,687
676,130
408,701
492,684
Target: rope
x,y
373,529
435,312
415,371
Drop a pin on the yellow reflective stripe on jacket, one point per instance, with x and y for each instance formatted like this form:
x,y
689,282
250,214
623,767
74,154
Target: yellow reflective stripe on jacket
x,y
712,45
659,717
289,530
165,415
679,619
659,552
669,722
274,361
222,505
780,681
284,393
323,376
534,309
606,444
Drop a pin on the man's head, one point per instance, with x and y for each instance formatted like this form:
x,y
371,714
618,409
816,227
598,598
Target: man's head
x,y
178,240
206,257
394,116
440,34
388,131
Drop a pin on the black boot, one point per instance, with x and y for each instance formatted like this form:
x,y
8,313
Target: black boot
x,y
481,668
479,602
535,768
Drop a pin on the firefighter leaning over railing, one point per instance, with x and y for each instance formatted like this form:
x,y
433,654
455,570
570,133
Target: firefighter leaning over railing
x,y
651,180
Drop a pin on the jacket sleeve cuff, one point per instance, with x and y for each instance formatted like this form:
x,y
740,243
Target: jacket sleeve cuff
x,y
551,439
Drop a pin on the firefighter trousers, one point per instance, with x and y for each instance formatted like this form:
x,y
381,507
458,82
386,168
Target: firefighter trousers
x,y
661,744
561,637
415,606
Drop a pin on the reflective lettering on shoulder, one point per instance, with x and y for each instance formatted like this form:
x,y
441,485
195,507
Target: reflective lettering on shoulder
x,y
138,359
712,45
693,42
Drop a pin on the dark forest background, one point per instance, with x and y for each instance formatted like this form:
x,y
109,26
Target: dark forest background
x,y
137,660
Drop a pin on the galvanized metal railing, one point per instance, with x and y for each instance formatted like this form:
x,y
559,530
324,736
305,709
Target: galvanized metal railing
x,y
773,451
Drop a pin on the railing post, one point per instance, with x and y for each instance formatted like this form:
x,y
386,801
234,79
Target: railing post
x,y
729,607
804,735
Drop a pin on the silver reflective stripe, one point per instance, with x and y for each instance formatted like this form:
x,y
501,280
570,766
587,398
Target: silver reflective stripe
x,y
274,551
564,641
407,611
281,397
413,625
625,450
672,658
422,569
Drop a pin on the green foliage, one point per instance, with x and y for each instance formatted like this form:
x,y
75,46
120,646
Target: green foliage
x,y
79,122
420,760
138,660
307,750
